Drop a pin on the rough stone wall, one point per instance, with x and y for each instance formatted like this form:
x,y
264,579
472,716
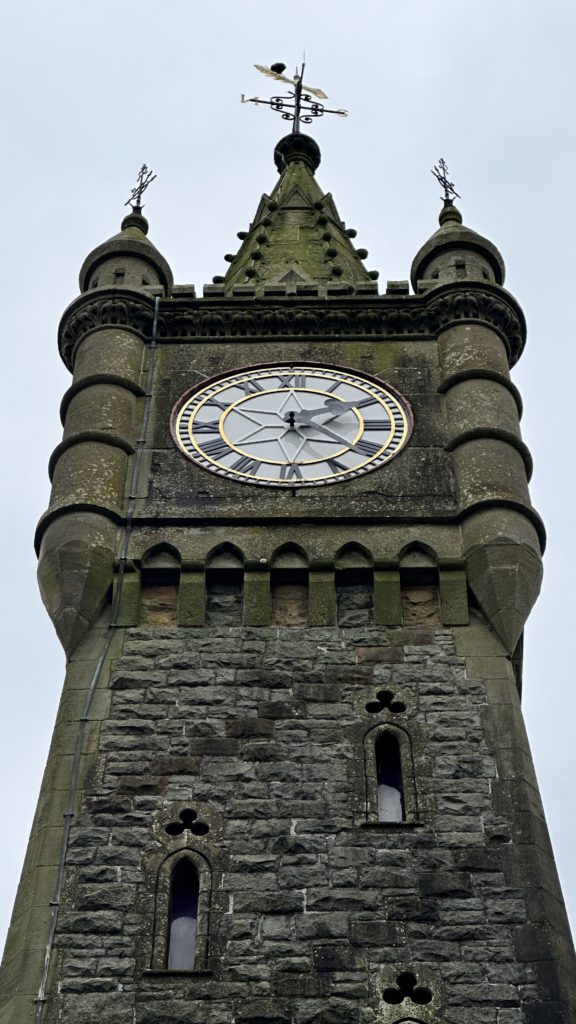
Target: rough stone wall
x,y
315,912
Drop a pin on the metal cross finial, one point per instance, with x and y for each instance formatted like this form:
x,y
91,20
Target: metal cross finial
x,y
298,105
145,178
440,172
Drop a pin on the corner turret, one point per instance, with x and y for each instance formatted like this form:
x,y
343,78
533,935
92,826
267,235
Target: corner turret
x,y
103,340
455,253
127,260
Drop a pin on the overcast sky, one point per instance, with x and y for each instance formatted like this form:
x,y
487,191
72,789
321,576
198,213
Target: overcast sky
x,y
91,91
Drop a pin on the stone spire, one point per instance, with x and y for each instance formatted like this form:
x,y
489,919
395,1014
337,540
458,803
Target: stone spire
x,y
456,252
297,238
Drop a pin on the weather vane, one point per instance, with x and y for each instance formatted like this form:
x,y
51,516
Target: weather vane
x,y
440,172
298,105
145,178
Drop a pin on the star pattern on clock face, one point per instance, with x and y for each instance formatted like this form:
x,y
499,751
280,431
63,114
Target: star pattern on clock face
x,y
291,425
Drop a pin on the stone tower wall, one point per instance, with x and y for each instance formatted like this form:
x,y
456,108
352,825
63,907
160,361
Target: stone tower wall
x,y
235,653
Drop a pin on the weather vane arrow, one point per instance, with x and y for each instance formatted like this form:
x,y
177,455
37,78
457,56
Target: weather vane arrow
x,y
298,105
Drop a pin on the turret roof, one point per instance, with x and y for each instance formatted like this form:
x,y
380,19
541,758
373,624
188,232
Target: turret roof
x,y
131,240
453,234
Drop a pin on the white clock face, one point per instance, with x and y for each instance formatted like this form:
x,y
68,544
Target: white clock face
x,y
291,426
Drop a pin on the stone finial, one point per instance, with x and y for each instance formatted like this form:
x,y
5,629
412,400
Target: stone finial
x,y
135,220
297,147
449,214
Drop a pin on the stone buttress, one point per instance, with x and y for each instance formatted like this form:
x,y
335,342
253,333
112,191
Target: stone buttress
x,y
291,718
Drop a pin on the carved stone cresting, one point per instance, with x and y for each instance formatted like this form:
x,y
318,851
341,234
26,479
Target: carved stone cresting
x,y
125,310
214,319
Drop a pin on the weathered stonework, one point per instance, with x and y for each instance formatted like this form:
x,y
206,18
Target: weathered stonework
x,y
306,698
314,910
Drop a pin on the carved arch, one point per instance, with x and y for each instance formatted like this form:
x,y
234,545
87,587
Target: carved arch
x,y
417,554
424,1019
354,556
289,556
225,556
163,555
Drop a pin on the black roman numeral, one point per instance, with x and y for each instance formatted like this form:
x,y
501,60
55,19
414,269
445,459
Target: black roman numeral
x,y
292,380
206,428
335,466
250,387
246,465
216,401
376,424
367,447
293,470
215,449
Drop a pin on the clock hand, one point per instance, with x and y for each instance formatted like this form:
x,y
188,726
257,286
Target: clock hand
x,y
333,406
329,433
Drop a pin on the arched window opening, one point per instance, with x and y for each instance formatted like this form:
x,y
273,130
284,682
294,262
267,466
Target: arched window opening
x,y
289,588
419,583
355,597
289,597
389,778
224,597
160,581
224,587
183,917
354,579
391,797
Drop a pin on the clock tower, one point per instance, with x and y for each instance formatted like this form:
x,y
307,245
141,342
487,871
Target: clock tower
x,y
290,552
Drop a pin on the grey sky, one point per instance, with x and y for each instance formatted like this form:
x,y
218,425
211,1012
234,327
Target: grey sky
x,y
91,91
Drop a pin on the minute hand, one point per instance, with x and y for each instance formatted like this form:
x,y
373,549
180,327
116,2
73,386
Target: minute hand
x,y
334,408
329,433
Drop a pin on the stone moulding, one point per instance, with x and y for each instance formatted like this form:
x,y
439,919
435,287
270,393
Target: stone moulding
x,y
290,317
109,379
456,518
98,436
111,307
480,373
498,434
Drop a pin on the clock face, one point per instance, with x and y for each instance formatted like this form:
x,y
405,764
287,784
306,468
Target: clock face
x,y
291,425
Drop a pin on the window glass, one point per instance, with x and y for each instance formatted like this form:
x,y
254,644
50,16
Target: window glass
x,y
389,778
183,917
